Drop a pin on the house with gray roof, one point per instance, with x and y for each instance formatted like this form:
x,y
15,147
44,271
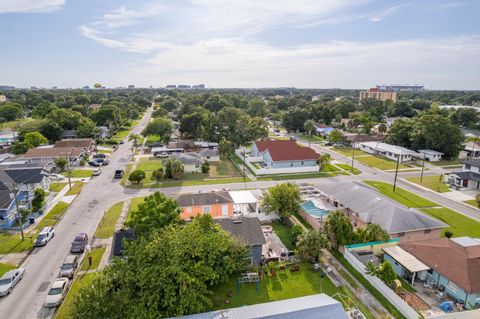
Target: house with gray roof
x,y
318,306
389,151
192,162
468,177
364,205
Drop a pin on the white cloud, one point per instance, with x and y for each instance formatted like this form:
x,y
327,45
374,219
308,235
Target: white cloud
x,y
17,6
385,13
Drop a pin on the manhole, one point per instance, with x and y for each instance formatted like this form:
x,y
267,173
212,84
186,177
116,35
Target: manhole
x,y
43,286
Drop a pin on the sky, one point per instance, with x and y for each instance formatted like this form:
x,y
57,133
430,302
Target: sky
x,y
240,43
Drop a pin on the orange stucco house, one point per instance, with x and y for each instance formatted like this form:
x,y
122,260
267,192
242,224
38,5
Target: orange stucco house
x,y
218,205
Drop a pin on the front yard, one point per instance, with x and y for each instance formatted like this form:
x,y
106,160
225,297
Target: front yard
x,y
4,268
348,151
12,243
106,229
435,183
53,216
56,187
79,173
76,188
383,164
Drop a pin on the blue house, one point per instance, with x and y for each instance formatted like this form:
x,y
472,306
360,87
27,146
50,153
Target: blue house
x,y
8,210
284,154
452,266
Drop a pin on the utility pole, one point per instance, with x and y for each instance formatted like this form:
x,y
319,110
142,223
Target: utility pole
x,y
244,167
396,171
353,154
19,215
68,172
423,166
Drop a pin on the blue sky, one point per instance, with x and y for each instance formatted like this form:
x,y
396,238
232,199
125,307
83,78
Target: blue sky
x,y
244,43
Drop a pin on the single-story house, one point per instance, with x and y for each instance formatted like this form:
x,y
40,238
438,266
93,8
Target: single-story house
x,y
450,265
249,231
48,155
472,149
318,306
209,145
354,139
468,177
364,205
284,154
216,204
192,162
392,152
431,155
68,134
86,144
27,179
323,129
209,155
162,149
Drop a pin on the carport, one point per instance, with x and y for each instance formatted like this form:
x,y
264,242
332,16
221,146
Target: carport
x,y
244,201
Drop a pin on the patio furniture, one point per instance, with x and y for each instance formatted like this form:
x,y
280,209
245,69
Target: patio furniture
x,y
316,267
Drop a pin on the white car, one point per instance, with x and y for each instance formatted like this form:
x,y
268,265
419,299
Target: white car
x,y
45,235
57,177
162,154
97,172
57,292
9,280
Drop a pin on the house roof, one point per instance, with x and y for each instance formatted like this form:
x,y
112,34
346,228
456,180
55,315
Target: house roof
x,y
365,138
468,175
472,161
75,142
24,175
53,152
205,144
67,133
243,197
372,207
5,198
208,152
318,306
188,158
247,229
286,150
384,147
406,259
457,261
201,199
428,151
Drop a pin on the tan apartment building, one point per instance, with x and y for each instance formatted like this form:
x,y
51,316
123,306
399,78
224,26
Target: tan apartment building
x,y
376,94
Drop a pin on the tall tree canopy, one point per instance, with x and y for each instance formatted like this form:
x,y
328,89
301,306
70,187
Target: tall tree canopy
x,y
162,127
283,199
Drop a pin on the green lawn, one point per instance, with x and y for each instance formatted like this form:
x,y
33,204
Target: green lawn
x,y
56,187
472,202
378,162
79,173
432,182
152,139
460,225
52,216
223,168
348,168
80,281
120,135
298,176
283,285
107,224
400,195
348,151
330,168
4,268
15,124
146,164
455,162
284,233
76,188
193,182
104,151
13,243
96,254
312,138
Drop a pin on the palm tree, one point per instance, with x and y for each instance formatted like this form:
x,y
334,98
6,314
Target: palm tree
x,y
339,229
135,138
311,243
323,160
309,127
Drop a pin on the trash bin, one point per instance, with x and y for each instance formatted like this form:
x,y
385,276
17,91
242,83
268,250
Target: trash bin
x,y
32,220
40,212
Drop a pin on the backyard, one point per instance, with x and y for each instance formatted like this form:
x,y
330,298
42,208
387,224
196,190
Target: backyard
x,y
435,183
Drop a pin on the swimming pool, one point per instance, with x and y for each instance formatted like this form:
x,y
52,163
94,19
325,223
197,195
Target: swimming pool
x,y
310,208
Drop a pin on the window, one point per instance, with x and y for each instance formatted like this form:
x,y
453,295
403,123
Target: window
x,y
189,209
401,234
427,231
302,162
206,209
430,271
467,166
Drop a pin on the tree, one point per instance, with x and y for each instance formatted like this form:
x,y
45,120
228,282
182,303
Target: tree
x,y
168,168
465,117
294,118
382,128
161,127
156,212
21,147
256,107
205,167
85,128
309,127
104,115
284,199
477,199
335,136
215,103
372,232
295,233
339,229
172,274
42,110
10,111
323,160
192,123
177,169
135,138
169,104
386,273
311,243
50,130
61,163
38,198
225,147
35,139
136,176
157,174
400,131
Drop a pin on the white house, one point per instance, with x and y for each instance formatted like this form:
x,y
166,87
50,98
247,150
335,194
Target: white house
x,y
431,155
468,177
392,152
472,149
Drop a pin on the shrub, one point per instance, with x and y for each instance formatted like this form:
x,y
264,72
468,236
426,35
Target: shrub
x,y
448,234
136,176
205,167
157,175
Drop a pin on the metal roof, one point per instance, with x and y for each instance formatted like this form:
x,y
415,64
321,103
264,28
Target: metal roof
x,y
243,197
406,259
384,147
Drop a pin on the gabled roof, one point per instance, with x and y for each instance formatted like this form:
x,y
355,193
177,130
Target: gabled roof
x,y
188,158
24,175
208,152
5,198
468,175
286,150
201,199
75,142
472,161
247,229
429,151
384,147
372,207
365,138
457,261
53,152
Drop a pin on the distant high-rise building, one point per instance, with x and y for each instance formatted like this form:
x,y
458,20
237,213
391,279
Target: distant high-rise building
x,y
86,87
171,86
199,87
131,86
376,94
54,88
400,87
183,86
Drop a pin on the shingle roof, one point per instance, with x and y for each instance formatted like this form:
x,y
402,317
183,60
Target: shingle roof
x,y
286,150
472,162
5,198
53,152
75,142
201,199
247,229
118,236
375,208
460,264
468,175
365,138
188,158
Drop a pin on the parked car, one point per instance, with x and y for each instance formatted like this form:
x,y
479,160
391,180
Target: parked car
x,y
94,163
9,280
79,243
105,162
118,173
161,154
56,293
100,155
122,142
97,172
45,235
69,267
57,177
293,138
